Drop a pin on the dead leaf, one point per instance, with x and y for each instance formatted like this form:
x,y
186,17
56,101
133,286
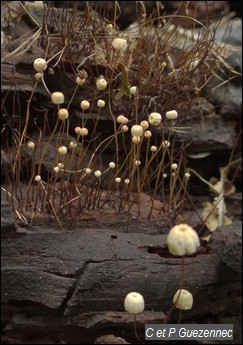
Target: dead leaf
x,y
125,86
210,216
229,188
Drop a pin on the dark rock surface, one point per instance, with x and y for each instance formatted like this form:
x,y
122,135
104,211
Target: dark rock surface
x,y
8,225
77,280
226,241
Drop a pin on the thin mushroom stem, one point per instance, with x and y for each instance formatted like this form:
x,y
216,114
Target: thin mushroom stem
x,y
182,271
180,316
135,328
